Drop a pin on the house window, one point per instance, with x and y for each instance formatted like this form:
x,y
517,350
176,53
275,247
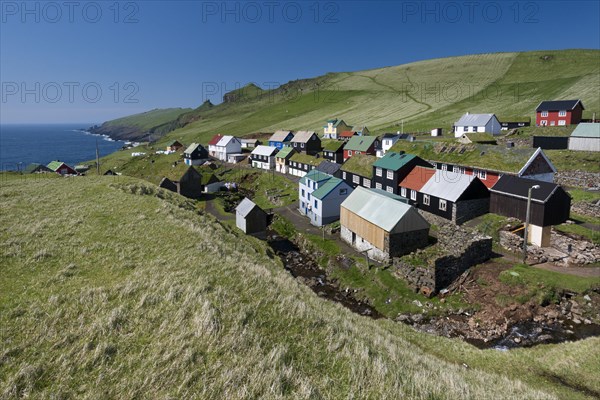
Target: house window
x,y
349,153
316,206
444,167
459,170
302,192
343,192
434,164
366,182
413,195
403,192
390,189
562,113
344,174
442,205
390,174
482,175
544,113
377,185
552,123
426,199
562,122
378,172
302,145
356,179
308,196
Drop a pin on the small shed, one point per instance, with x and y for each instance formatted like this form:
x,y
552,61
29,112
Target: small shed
x,y
110,172
251,219
550,204
250,143
585,137
175,145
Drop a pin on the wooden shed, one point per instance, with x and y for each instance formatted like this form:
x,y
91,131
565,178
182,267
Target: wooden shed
x,y
381,224
550,204
251,219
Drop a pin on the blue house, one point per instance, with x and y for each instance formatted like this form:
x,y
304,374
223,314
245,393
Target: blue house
x,y
280,139
320,197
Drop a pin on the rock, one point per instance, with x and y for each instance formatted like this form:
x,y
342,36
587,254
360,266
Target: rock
x,y
576,321
587,297
403,318
587,322
417,303
552,314
544,338
517,340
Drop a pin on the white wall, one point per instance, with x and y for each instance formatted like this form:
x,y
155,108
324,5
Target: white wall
x,y
585,144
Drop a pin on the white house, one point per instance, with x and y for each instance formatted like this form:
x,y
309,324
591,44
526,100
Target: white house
x,y
320,197
477,123
225,146
387,141
263,157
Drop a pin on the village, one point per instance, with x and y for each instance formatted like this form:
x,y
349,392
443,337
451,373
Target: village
x,y
430,205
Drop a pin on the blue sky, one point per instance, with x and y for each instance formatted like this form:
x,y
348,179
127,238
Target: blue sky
x,y
98,60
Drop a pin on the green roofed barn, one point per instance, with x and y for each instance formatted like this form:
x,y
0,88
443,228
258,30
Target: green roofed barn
x,y
380,224
585,137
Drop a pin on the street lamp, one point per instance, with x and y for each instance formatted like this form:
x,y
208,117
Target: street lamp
x,y
525,233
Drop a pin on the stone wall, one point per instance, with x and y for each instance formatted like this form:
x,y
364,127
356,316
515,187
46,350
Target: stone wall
x,y
469,209
582,252
457,250
399,244
580,179
586,208
362,245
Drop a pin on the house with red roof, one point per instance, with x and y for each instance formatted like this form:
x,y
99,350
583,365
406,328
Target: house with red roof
x,y
212,145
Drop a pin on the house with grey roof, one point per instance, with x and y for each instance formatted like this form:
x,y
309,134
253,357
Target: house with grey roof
x,y
320,197
451,195
280,138
263,157
251,219
382,224
586,137
307,142
195,154
477,123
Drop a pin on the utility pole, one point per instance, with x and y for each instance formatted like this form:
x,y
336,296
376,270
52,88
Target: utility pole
x,y
97,159
525,232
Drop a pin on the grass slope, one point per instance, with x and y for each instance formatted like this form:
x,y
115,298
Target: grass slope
x,y
112,288
149,119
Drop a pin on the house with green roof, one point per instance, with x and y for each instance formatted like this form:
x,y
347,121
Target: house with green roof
x,y
175,145
61,168
301,163
35,168
379,224
320,197
358,170
586,137
334,127
333,150
282,159
393,167
361,145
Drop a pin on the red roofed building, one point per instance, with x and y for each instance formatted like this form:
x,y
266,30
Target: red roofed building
x,y
212,145
415,180
346,135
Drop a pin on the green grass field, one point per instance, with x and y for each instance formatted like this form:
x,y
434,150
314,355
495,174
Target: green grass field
x,y
113,288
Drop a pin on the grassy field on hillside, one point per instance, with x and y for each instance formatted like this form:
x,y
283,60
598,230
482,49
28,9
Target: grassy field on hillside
x,y
112,288
149,119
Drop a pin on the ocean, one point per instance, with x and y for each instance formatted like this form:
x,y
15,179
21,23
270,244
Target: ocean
x,y
21,145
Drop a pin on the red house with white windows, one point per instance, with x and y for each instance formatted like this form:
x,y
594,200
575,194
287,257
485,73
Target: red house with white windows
x,y
559,113
361,145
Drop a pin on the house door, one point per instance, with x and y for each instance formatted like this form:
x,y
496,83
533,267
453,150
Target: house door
x,y
353,238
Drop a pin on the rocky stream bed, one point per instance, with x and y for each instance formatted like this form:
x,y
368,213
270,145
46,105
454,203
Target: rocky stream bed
x,y
490,326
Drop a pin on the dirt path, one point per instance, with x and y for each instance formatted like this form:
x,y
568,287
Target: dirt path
x,y
585,272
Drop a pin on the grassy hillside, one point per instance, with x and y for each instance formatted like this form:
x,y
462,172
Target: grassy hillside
x,y
135,127
424,94
113,288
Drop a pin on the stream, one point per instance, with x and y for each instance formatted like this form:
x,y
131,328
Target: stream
x,y
522,334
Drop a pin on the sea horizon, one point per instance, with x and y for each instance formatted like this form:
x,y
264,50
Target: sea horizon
x,y
69,142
